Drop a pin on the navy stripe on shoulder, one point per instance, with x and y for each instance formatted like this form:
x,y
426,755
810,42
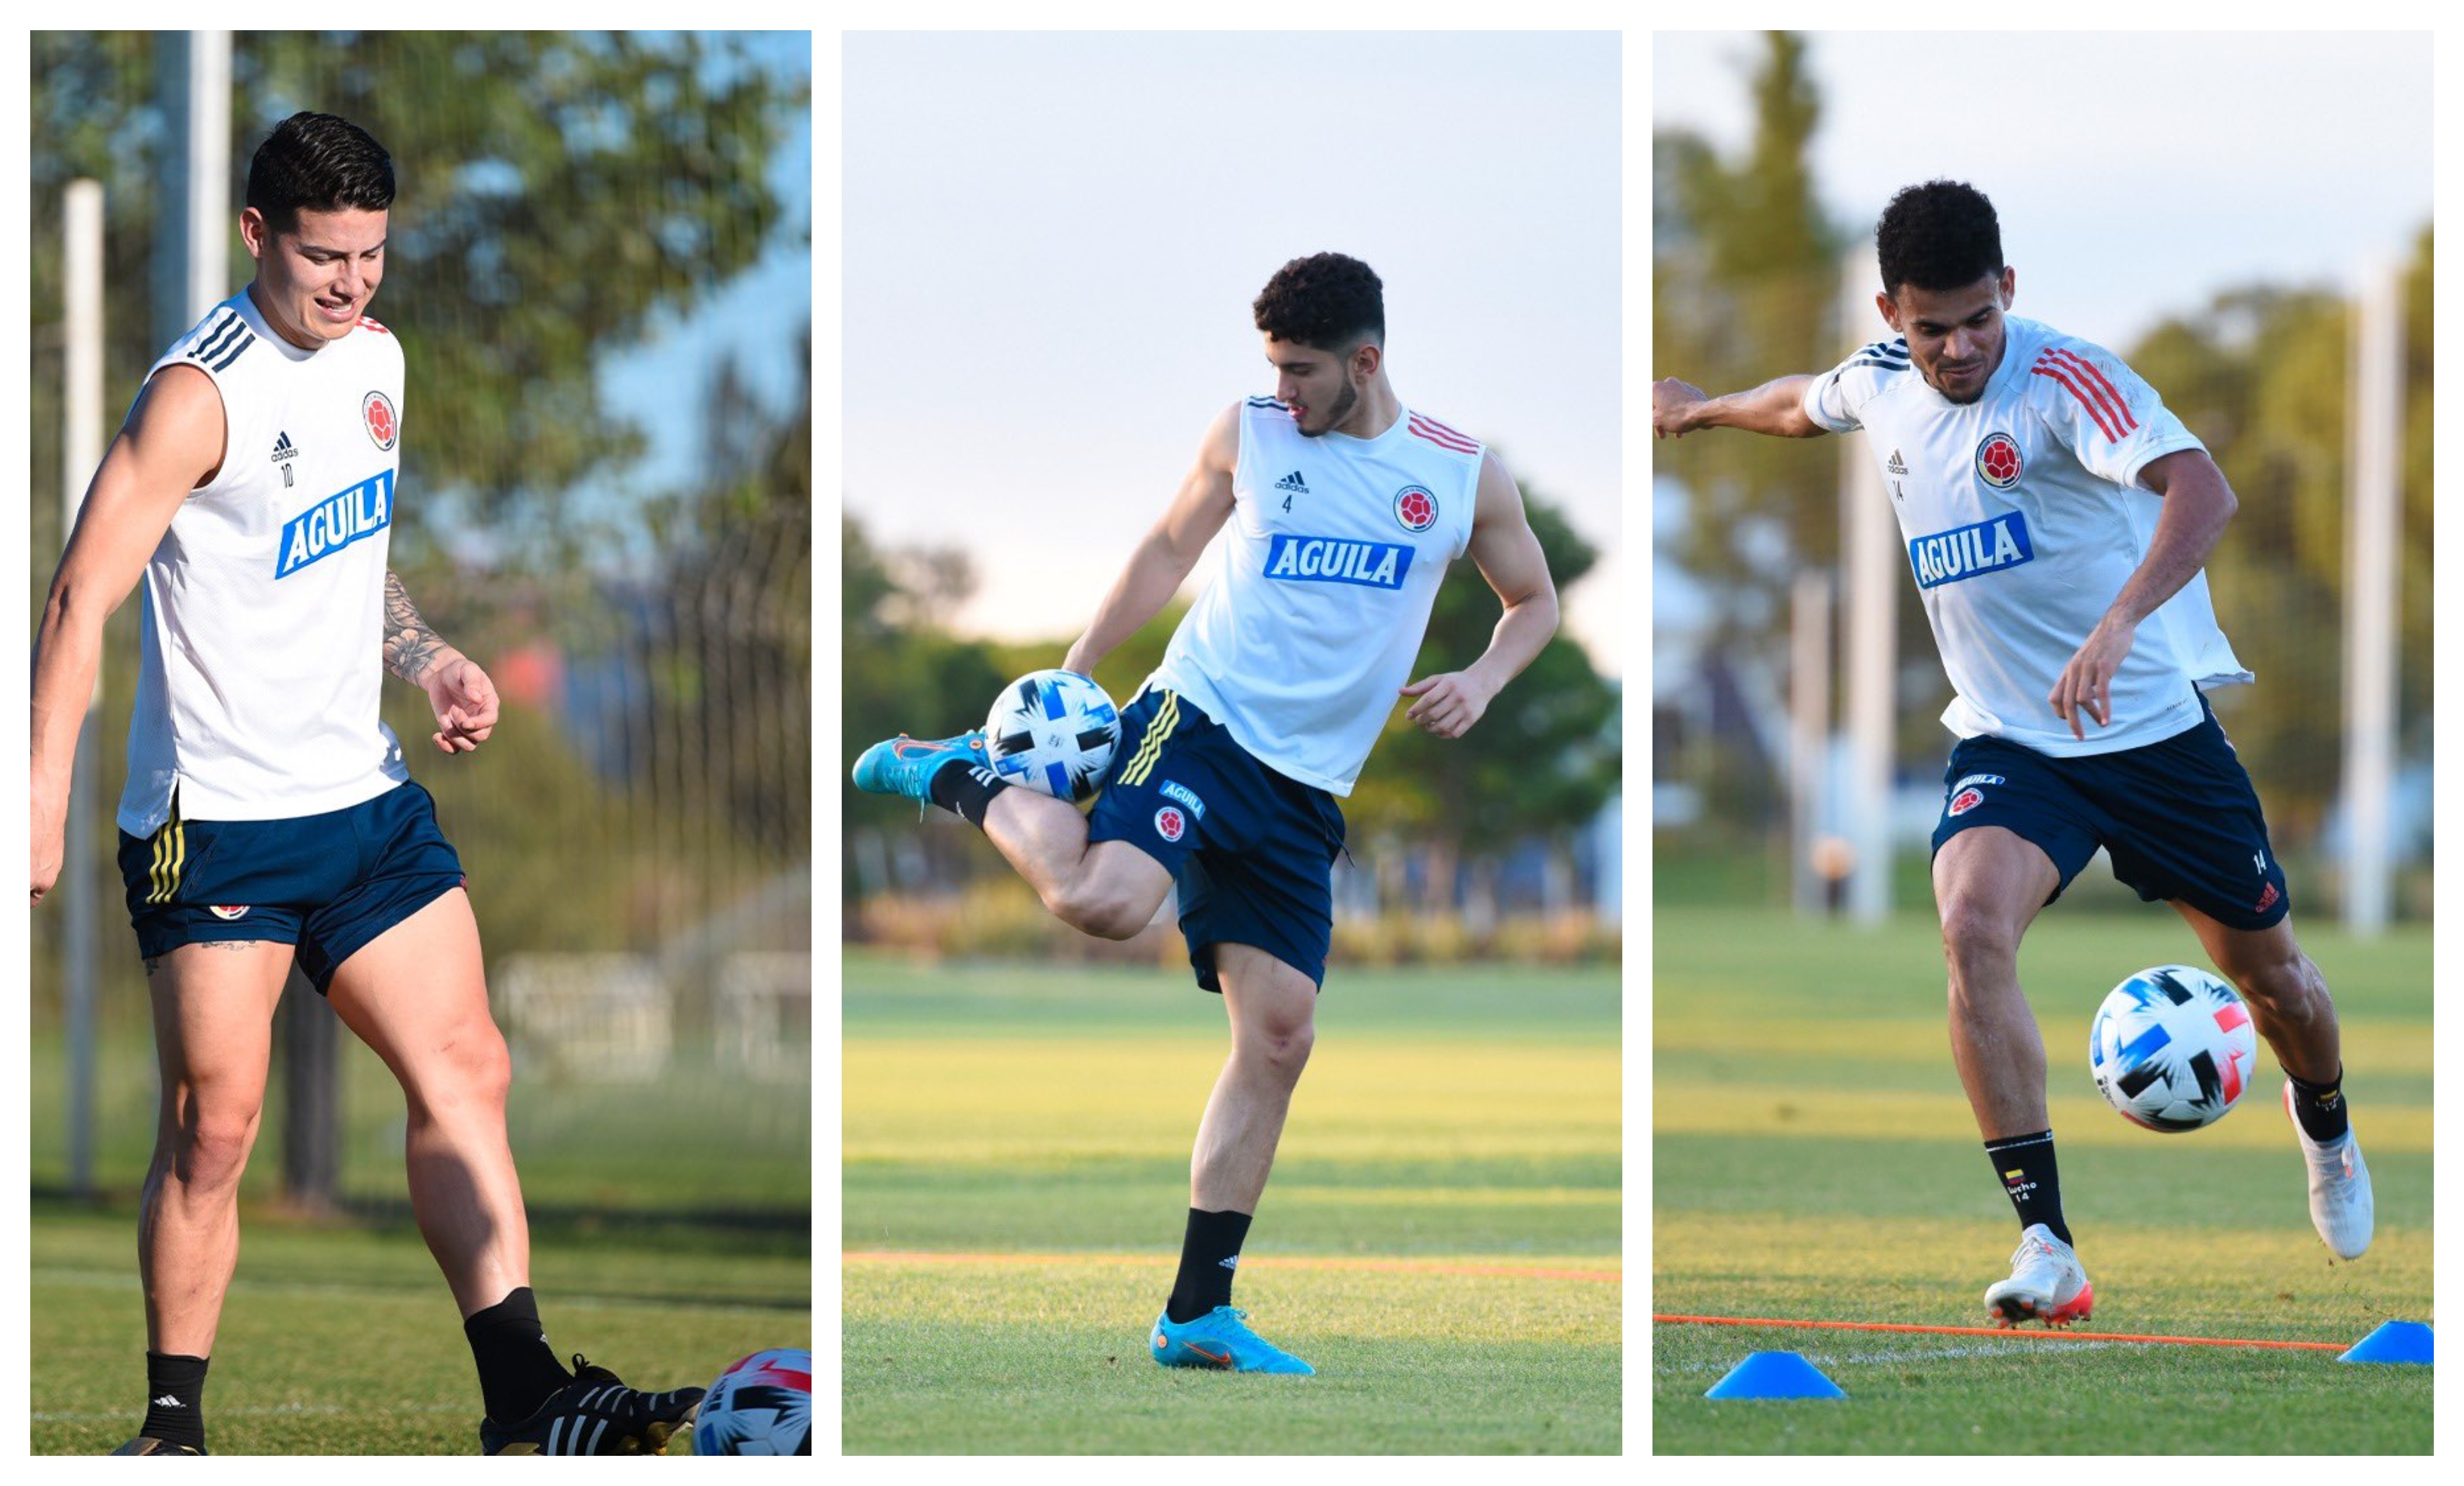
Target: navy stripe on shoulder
x,y
1876,360
1887,348
233,354
219,338
1263,401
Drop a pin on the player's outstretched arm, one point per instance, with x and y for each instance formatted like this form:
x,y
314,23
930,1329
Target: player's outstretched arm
x,y
1169,550
171,443
1509,557
2198,502
1777,407
458,692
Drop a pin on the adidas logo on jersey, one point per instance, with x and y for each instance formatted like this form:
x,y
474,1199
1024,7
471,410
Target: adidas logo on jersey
x,y
1898,466
284,449
1293,482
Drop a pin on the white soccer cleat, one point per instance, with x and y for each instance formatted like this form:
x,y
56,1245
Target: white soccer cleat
x,y
2341,1207
2046,1284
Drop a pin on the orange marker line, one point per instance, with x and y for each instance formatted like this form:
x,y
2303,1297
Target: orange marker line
x,y
1166,1261
1996,1331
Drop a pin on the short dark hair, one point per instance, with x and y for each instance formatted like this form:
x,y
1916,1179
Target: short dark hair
x,y
317,163
1324,300
1941,234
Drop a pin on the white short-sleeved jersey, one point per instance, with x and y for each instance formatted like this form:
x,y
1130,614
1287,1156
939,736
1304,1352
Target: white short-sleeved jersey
x,y
1322,586
2024,517
256,688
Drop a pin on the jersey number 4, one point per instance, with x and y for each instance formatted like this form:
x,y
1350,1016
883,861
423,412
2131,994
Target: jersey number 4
x,y
1288,503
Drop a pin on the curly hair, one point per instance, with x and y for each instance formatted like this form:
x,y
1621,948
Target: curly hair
x,y
317,163
1326,301
1941,234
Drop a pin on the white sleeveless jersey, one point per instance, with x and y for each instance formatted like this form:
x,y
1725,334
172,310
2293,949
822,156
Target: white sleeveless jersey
x,y
256,690
2024,517
1322,588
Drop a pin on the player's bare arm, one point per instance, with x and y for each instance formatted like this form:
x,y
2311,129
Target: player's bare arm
x,y
171,443
1170,549
2198,502
1777,407
1508,555
462,696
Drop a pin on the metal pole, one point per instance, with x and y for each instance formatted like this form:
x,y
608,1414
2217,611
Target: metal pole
x,y
80,452
1809,734
2373,567
1869,549
209,173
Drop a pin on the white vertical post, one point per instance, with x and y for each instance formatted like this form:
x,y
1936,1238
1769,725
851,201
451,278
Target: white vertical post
x,y
80,452
2372,566
1869,545
209,205
1808,733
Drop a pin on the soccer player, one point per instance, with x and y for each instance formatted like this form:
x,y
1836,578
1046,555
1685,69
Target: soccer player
x,y
1345,508
2058,519
268,815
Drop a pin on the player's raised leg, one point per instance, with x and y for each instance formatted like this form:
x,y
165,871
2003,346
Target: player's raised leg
x,y
1110,891
418,997
2289,1005
1990,883
214,1034
1273,1009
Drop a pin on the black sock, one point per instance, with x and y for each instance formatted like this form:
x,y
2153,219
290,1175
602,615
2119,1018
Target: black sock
x,y
2026,1165
2320,1107
966,790
517,1369
175,1399
1209,1253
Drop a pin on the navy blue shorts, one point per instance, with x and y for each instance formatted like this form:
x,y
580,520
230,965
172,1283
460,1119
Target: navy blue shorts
x,y
1251,851
2178,818
329,883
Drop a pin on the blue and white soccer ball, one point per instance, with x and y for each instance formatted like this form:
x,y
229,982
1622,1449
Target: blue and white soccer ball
x,y
762,1404
1053,730
2173,1048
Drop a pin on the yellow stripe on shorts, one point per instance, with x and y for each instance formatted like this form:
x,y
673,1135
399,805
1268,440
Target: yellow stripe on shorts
x,y
1151,747
170,854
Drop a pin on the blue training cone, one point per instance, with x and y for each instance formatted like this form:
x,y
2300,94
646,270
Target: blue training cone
x,y
1775,1375
2393,1342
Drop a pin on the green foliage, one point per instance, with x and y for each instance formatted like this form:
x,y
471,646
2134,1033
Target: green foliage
x,y
560,193
1546,757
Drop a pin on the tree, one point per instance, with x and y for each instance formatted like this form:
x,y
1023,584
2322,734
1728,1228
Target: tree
x,y
560,194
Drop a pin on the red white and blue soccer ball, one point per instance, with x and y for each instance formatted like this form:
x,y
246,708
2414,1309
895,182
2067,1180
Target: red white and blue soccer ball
x,y
2173,1048
1053,730
762,1404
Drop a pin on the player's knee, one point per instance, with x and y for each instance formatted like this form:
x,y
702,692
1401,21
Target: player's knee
x,y
2285,987
1094,906
1284,1044
209,1148
1979,940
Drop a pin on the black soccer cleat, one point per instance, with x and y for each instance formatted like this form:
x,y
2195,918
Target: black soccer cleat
x,y
149,1445
595,1414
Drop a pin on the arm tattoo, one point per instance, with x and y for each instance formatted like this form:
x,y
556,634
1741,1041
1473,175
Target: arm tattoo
x,y
410,646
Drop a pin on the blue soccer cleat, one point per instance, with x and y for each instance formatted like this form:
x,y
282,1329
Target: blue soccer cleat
x,y
1221,1339
905,766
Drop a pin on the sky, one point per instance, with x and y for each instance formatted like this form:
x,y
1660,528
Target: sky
x,y
1051,242
2135,174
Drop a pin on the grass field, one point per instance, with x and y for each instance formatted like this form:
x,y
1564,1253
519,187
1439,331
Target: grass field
x,y
1813,1158
1440,1239
344,1341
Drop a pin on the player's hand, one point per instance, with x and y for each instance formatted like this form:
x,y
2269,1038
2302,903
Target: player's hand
x,y
48,826
2085,687
1449,703
1672,407
465,702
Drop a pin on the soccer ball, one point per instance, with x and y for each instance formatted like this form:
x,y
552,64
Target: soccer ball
x,y
762,1404
2171,1048
1053,730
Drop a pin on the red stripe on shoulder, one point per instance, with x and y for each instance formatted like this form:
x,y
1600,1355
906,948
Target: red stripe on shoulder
x,y
1441,436
2062,377
373,325
2101,385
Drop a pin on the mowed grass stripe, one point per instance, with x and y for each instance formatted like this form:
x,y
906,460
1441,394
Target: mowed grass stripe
x,y
1820,1162
1521,1271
